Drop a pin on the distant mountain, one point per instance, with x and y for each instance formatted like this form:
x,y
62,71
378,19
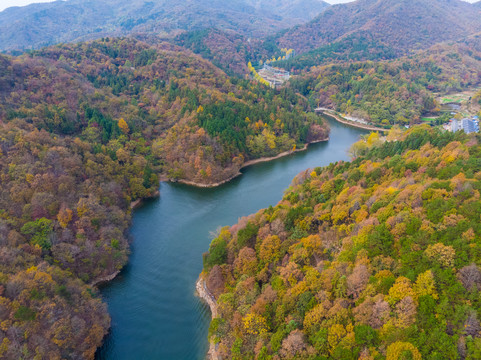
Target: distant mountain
x,y
64,21
302,10
399,24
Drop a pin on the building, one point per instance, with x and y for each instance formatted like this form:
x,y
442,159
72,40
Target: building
x,y
275,76
468,125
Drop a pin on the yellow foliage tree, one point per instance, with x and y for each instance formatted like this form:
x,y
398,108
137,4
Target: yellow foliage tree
x,y
4,346
64,217
338,335
396,350
313,318
441,253
123,126
269,248
81,207
401,289
255,324
357,149
335,334
425,285
373,139
270,138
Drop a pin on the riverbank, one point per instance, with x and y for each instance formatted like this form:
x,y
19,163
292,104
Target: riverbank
x,y
169,237
105,279
204,293
135,204
355,124
249,163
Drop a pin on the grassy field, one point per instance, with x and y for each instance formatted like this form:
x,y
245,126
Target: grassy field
x,y
458,98
455,99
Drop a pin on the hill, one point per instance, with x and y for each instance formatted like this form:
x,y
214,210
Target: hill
x,y
398,91
401,25
160,87
38,25
227,49
373,259
85,131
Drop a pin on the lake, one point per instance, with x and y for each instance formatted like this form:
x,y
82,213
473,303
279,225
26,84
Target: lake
x,y
155,313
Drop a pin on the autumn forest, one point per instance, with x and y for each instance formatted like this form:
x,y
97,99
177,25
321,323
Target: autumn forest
x,y
373,258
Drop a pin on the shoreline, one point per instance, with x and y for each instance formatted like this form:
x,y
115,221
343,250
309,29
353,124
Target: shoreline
x,y
336,117
105,279
137,203
201,287
249,163
203,292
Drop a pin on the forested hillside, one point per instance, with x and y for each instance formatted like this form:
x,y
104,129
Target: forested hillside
x,y
44,24
227,49
304,10
398,91
351,48
178,110
373,259
362,30
85,129
400,25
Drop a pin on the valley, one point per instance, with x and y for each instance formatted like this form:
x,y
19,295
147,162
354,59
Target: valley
x,y
133,134
158,284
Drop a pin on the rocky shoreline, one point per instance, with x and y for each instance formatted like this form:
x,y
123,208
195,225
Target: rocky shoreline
x,y
204,293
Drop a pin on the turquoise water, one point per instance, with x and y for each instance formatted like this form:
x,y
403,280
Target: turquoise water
x,y
155,314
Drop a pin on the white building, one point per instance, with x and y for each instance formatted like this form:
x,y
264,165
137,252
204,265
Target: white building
x,y
466,124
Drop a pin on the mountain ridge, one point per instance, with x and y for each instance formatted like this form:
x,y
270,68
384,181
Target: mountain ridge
x,y
43,24
403,25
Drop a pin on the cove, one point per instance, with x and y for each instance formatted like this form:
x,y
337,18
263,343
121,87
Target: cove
x,y
155,314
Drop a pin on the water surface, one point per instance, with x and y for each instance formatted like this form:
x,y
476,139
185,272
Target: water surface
x,y
155,314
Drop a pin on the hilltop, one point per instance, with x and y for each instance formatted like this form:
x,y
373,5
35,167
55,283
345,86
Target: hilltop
x,y
301,10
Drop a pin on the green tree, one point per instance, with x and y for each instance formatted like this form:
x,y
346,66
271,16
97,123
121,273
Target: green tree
x,y
39,232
